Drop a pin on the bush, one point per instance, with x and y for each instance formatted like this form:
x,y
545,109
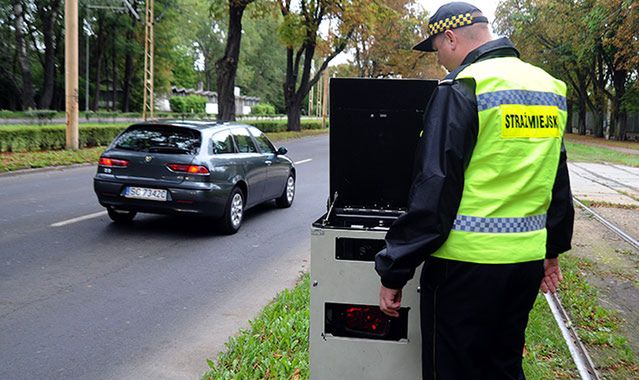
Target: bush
x,y
263,109
43,116
188,104
32,138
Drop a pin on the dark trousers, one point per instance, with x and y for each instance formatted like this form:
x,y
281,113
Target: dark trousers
x,y
474,316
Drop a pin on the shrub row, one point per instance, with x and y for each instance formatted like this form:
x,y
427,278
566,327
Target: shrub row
x,y
35,138
188,104
29,138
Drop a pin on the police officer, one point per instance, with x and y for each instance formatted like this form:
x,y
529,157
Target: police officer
x,y
490,207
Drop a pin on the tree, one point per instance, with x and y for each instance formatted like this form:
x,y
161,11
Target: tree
x,y
383,46
27,93
300,33
227,65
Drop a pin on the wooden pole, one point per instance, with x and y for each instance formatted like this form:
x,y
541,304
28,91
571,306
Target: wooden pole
x,y
71,71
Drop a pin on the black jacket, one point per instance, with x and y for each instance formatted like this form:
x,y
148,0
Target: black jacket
x,y
443,153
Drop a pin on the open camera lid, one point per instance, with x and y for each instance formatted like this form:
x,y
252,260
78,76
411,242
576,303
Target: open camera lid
x,y
375,125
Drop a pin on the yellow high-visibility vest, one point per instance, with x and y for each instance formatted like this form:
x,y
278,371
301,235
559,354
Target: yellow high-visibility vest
x,y
509,180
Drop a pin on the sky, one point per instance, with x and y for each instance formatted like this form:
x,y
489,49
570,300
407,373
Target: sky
x,y
487,7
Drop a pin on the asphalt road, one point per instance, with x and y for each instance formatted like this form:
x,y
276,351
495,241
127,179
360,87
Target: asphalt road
x,y
88,299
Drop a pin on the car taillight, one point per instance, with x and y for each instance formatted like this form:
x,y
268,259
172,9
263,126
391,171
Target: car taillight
x,y
113,162
190,169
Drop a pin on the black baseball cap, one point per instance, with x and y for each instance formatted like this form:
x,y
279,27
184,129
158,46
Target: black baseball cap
x,y
449,16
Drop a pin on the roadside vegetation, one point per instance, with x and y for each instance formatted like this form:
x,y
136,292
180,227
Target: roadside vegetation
x,y
276,344
599,150
30,160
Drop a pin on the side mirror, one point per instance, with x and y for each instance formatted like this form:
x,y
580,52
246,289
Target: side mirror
x,y
282,150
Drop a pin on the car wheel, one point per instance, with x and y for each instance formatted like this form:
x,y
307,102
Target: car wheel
x,y
234,212
286,199
121,216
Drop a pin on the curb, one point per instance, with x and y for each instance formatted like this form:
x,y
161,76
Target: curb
x,y
14,173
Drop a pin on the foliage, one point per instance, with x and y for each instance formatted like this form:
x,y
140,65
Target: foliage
x,y
383,46
263,109
32,138
20,138
40,159
42,116
303,18
595,53
188,104
275,346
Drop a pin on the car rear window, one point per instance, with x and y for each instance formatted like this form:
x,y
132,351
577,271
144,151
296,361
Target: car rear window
x,y
160,138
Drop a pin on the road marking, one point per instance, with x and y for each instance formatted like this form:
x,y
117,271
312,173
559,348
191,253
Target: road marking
x,y
304,161
79,219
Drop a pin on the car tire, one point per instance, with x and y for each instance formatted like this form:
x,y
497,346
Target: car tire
x,y
286,199
121,216
233,213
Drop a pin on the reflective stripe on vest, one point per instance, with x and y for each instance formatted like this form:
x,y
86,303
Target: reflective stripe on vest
x,y
508,182
497,98
499,225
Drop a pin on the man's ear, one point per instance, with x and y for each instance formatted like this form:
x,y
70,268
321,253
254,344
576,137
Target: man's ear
x,y
450,38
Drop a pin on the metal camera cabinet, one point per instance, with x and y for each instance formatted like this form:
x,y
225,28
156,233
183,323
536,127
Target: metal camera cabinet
x,y
375,126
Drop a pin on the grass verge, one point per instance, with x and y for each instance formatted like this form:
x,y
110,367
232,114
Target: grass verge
x,y
276,345
29,160
590,153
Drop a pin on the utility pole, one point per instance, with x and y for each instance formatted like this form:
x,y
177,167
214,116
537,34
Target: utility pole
x,y
71,72
147,110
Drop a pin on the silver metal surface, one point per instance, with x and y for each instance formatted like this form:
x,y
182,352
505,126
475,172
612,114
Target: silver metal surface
x,y
577,350
356,282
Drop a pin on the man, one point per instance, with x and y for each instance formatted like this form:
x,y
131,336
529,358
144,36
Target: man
x,y
490,200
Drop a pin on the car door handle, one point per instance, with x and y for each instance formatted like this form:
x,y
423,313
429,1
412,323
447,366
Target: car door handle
x,y
268,162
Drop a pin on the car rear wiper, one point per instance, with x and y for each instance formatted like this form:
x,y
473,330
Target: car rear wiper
x,y
160,148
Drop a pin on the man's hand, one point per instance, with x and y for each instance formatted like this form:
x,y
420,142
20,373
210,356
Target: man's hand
x,y
390,300
552,276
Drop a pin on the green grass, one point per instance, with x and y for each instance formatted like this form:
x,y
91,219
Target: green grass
x,y
276,344
597,327
29,160
588,153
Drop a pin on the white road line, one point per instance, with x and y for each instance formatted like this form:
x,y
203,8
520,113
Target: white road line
x,y
304,161
79,219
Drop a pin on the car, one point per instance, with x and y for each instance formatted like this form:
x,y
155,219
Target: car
x,y
210,169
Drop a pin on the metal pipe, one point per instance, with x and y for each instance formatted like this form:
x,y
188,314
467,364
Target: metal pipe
x,y
577,350
606,223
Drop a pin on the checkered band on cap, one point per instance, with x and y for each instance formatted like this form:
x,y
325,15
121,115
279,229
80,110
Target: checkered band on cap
x,y
452,22
499,225
530,98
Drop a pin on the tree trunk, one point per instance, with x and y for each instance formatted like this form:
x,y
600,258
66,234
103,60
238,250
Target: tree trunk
x,y
581,122
27,93
227,65
114,76
99,46
48,16
294,115
620,117
128,69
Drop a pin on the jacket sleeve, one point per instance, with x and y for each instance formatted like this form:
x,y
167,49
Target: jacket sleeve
x,y
561,213
442,155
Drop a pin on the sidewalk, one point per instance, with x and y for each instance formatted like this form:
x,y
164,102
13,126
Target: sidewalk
x,y
606,183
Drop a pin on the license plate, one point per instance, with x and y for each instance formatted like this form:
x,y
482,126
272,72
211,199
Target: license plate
x,y
144,193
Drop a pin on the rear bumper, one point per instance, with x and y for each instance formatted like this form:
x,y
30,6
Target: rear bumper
x,y
203,199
